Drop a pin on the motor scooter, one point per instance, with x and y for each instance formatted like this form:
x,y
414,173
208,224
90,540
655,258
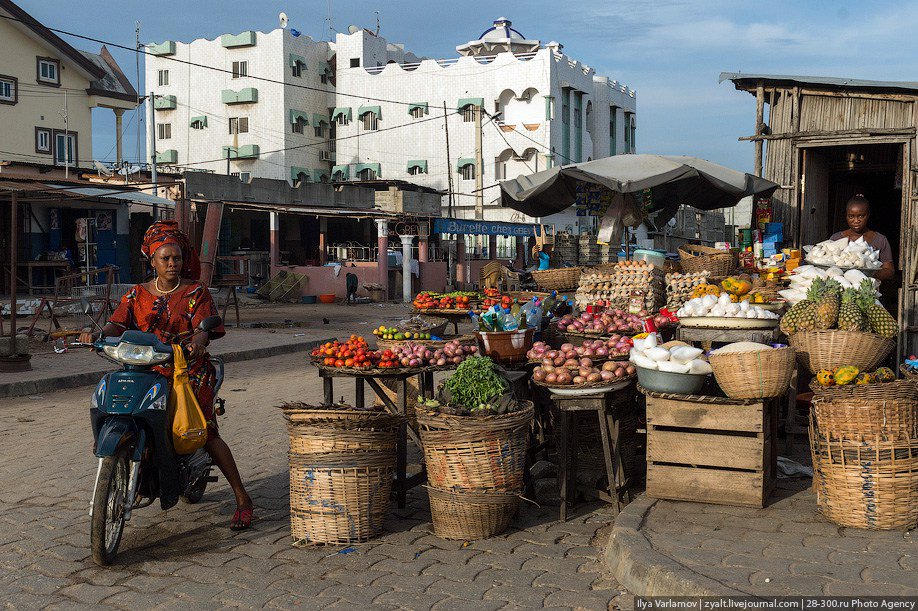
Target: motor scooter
x,y
133,442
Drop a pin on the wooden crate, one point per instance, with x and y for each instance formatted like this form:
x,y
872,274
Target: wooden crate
x,y
722,452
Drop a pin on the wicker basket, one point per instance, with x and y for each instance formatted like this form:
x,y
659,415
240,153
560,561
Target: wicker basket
x,y
865,484
476,454
561,279
880,391
468,516
391,344
339,498
861,419
907,373
695,258
833,348
754,375
375,418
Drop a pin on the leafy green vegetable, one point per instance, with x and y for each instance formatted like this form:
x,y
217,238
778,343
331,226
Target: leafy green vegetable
x,y
475,383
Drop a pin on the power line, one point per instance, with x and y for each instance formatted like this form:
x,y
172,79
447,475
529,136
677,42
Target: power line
x,y
550,150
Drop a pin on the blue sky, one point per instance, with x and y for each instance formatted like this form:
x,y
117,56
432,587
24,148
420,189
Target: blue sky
x,y
670,51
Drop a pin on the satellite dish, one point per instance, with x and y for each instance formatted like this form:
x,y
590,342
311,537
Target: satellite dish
x,y
283,20
353,29
126,170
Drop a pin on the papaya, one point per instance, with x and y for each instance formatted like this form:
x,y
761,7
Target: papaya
x,y
825,378
885,374
845,375
865,378
736,286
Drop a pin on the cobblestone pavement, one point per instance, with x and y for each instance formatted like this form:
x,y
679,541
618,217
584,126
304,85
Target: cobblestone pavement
x,y
188,555
785,549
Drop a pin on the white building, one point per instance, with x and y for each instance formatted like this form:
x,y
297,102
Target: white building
x,y
265,105
541,108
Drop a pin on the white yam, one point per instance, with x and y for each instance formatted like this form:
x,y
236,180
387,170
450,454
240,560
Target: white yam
x,y
644,362
699,366
674,367
685,354
742,347
657,354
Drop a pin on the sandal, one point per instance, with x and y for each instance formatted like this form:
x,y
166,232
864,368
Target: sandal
x,y
242,519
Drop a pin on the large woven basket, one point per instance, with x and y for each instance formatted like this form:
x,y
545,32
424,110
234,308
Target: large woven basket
x,y
860,419
561,279
833,348
340,416
339,498
695,258
484,455
869,484
754,375
391,344
883,391
468,516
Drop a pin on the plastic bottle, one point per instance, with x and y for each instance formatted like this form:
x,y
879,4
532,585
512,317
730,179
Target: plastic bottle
x,y
507,321
479,322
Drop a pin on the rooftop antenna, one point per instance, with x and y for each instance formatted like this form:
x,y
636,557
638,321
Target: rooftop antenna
x,y
328,21
377,22
283,20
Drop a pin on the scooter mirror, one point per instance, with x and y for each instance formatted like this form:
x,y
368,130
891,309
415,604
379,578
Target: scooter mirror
x,y
210,323
85,306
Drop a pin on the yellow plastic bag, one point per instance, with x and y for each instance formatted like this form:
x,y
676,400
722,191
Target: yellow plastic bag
x,y
189,427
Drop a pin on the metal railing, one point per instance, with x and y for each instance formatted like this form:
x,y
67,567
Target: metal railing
x,y
445,63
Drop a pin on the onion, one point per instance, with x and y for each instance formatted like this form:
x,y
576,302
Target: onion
x,y
630,369
548,368
552,354
538,375
609,366
585,362
588,352
564,378
607,375
405,361
551,378
441,361
571,363
472,349
457,359
602,351
559,362
594,377
619,373
578,380
548,361
584,371
566,347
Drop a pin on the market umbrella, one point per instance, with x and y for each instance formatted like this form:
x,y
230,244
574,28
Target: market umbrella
x,y
644,184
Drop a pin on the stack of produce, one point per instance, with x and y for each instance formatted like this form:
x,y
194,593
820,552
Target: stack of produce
x,y
680,287
617,346
354,353
722,307
585,374
616,288
450,301
844,253
608,322
646,354
829,306
848,374
394,333
802,279
475,440
411,355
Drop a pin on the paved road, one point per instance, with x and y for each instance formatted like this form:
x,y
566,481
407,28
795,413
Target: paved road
x,y
188,556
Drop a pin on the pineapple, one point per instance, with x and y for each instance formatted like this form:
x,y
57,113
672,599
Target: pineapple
x,y
801,317
881,322
826,294
850,317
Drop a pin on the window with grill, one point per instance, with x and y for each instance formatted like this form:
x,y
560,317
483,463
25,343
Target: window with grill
x,y
163,79
245,176
319,130
297,69
164,131
367,174
370,122
49,71
468,114
8,89
417,113
238,125
298,126
240,69
467,172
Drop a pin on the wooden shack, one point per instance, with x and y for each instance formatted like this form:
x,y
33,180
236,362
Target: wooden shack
x,y
826,139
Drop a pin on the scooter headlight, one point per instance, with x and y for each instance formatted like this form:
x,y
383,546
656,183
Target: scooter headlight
x,y
134,354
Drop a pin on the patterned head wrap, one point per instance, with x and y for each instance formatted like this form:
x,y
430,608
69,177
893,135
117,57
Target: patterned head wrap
x,y
162,233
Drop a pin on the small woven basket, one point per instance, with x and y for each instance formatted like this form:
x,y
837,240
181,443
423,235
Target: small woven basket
x,y
469,516
833,348
476,454
871,484
391,344
695,258
908,374
754,375
339,498
561,279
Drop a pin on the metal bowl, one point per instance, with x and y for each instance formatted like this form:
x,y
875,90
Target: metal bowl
x,y
668,382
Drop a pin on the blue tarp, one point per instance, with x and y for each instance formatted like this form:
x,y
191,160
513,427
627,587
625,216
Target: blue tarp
x,y
484,228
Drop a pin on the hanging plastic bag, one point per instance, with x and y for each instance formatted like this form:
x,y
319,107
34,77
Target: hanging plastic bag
x,y
189,427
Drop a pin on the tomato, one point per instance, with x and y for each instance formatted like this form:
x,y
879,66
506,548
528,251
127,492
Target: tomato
x,y
339,363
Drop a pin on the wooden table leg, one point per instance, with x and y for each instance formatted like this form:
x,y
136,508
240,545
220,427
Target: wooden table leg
x,y
611,473
401,466
564,468
236,305
328,388
360,394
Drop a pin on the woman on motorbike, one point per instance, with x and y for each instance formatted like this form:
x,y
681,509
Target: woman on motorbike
x,y
171,306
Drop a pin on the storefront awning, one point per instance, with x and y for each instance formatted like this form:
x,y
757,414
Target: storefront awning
x,y
368,166
468,227
357,213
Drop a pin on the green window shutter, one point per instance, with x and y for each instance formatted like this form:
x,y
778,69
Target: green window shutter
x,y
344,169
295,173
416,105
298,115
466,102
198,122
232,41
164,102
319,119
369,109
368,166
295,59
549,101
418,163
318,175
342,111
170,156
162,49
464,161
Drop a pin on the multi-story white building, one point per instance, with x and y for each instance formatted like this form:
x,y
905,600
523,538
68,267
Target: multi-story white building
x,y
265,106
363,108
540,108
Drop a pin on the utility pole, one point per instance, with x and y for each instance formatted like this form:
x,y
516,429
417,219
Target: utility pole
x,y
449,167
151,102
139,151
66,138
479,167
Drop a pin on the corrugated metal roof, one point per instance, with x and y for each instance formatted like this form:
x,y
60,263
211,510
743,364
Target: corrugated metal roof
x,y
847,83
136,197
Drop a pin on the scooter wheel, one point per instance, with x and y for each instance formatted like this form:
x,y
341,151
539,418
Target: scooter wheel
x,y
194,496
108,503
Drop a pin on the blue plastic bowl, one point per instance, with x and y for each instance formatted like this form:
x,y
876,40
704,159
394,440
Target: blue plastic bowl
x,y
308,299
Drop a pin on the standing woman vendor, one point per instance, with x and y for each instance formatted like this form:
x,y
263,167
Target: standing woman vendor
x,y
541,256
857,213
172,304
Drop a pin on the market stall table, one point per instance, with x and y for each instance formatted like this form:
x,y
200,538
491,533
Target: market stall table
x,y
372,378
710,336
453,316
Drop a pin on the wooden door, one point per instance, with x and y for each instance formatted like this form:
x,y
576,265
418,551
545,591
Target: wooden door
x,y
814,190
908,261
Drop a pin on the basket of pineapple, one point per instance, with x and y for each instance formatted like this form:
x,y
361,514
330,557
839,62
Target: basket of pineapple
x,y
833,328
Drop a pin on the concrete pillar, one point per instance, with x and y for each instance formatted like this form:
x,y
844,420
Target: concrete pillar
x,y
323,240
274,224
422,249
520,261
119,112
209,241
460,259
492,247
382,257
407,293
